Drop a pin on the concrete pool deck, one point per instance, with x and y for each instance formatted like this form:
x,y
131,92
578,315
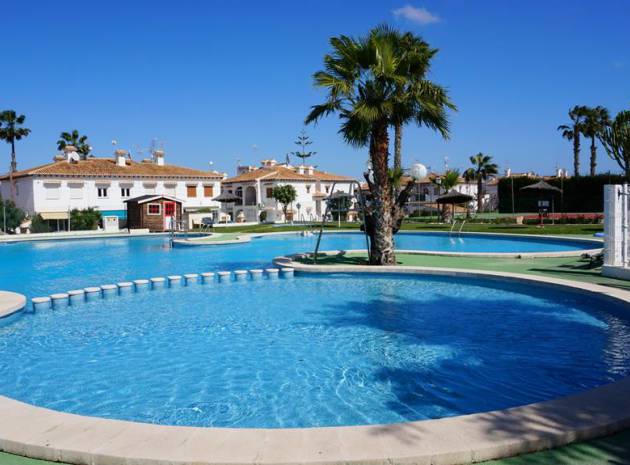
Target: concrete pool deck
x,y
42,433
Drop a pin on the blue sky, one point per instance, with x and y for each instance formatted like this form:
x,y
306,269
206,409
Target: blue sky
x,y
225,80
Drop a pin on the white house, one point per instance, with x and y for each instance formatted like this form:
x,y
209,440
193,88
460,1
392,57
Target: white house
x,y
253,187
427,190
53,189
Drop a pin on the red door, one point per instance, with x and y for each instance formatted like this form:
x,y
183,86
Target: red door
x,y
170,215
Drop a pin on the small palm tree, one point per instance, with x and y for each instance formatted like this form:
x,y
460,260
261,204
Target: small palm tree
x,y
76,140
447,181
10,131
481,170
572,132
363,78
595,121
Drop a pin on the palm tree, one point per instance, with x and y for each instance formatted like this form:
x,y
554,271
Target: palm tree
x,y
572,132
76,140
482,169
596,119
616,140
363,77
10,131
417,98
445,183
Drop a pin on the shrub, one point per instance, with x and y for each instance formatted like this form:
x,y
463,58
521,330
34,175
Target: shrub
x,y
263,216
38,225
14,217
581,193
84,220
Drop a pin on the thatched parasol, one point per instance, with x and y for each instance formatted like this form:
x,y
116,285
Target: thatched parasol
x,y
454,197
542,187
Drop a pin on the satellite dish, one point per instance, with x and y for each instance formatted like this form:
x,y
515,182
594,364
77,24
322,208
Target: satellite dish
x,y
418,171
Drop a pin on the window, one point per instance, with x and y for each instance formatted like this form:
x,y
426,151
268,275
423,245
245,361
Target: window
x,y
208,191
52,191
125,191
327,188
76,190
269,192
154,209
308,189
101,192
149,188
170,189
191,191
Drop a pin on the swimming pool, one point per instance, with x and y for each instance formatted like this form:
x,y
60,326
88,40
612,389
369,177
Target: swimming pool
x,y
41,268
315,351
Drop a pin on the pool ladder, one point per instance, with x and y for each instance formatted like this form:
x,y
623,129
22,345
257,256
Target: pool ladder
x,y
461,226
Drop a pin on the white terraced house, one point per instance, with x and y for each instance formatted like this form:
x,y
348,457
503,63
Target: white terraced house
x,y
53,189
253,187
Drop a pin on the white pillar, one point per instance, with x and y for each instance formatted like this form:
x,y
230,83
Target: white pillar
x,y
614,215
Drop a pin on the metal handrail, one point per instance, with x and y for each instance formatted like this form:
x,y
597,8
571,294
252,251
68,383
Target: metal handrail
x,y
461,227
452,227
362,206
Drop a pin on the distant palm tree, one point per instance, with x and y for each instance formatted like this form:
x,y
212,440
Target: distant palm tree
x,y
481,170
447,181
417,99
10,131
362,77
596,120
76,140
572,132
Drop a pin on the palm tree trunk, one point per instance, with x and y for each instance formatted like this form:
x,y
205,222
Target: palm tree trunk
x,y
382,234
479,194
398,146
12,170
576,152
593,156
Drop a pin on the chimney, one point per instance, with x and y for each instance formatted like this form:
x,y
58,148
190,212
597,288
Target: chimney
x,y
121,157
508,173
158,157
309,170
268,163
300,169
71,154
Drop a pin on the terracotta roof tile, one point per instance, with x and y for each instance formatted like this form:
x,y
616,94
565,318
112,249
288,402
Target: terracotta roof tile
x,y
103,167
282,173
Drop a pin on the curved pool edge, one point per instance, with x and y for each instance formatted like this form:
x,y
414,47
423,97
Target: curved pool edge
x,y
247,237
47,434
10,304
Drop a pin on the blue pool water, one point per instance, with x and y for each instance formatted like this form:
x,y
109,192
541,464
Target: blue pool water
x,y
309,351
41,268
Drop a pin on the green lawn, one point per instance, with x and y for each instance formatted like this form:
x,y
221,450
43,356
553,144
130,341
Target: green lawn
x,y
586,229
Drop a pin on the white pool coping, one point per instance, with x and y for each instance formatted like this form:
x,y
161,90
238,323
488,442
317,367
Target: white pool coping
x,y
247,237
46,434
11,303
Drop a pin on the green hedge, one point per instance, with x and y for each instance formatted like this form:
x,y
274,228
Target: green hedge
x,y
580,194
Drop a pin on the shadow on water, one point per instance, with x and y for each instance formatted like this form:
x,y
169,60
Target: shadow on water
x,y
414,388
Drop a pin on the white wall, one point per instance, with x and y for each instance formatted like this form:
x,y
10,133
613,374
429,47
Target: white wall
x,y
274,208
33,196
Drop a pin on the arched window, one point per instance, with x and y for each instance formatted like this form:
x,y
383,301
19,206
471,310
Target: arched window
x,y
250,195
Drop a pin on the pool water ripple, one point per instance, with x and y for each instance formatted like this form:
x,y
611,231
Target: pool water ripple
x,y
314,351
